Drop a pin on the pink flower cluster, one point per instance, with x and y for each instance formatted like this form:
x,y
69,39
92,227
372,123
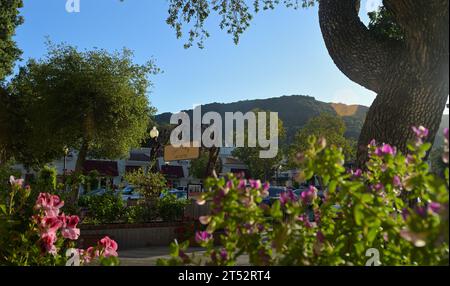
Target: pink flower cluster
x,y
49,221
15,182
309,195
446,147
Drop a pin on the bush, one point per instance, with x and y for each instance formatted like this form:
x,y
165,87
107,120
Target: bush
x,y
150,185
170,208
395,211
107,208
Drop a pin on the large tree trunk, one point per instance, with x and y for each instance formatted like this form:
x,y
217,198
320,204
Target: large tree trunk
x,y
410,76
212,162
82,154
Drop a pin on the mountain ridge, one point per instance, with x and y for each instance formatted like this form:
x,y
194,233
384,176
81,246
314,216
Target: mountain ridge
x,y
295,111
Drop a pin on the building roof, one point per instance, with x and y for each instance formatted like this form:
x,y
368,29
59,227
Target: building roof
x,y
105,168
139,157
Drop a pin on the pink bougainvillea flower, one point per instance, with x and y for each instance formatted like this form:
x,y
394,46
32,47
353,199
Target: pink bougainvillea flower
x,y
446,147
69,228
304,218
434,207
202,236
50,204
320,237
309,195
357,173
15,182
255,184
421,211
405,213
242,184
229,184
201,201
286,197
420,132
204,219
418,239
388,149
396,181
223,254
385,149
108,247
378,187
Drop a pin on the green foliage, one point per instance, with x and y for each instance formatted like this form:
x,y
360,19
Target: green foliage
x,y
91,99
107,208
198,166
149,184
235,16
9,20
383,25
46,180
396,208
259,167
170,208
327,126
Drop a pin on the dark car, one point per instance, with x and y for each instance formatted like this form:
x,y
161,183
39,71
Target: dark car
x,y
274,194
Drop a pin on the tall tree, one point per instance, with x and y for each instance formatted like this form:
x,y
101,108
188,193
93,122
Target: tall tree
x,y
9,53
408,71
92,101
200,167
328,126
260,168
9,20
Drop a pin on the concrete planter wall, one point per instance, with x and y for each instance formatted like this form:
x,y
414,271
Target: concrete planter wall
x,y
130,236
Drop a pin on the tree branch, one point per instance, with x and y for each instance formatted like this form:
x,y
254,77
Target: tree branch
x,y
355,50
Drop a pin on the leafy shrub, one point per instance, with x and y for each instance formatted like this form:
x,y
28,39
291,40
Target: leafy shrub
x,y
396,207
149,184
170,208
106,208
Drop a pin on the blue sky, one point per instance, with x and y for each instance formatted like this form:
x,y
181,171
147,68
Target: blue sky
x,y
282,53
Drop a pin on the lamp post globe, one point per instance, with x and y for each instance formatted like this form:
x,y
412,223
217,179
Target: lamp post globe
x,y
154,133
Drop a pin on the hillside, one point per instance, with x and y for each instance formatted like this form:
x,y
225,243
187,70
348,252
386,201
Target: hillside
x,y
295,111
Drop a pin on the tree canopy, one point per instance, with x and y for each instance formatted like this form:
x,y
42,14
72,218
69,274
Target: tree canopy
x,y
92,101
262,168
402,55
327,126
9,20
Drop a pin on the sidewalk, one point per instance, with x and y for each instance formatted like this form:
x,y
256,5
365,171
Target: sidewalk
x,y
149,255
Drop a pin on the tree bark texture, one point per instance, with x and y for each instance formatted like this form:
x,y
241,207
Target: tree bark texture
x,y
410,76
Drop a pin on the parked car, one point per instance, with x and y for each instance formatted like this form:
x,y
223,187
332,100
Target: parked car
x,y
130,193
274,194
96,192
180,194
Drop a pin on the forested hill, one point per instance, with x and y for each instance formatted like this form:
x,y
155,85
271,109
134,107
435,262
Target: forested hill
x,y
293,110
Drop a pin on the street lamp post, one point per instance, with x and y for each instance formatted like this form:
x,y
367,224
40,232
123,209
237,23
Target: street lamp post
x,y
66,152
154,134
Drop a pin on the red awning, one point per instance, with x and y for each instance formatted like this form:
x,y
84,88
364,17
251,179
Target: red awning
x,y
175,172
105,168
